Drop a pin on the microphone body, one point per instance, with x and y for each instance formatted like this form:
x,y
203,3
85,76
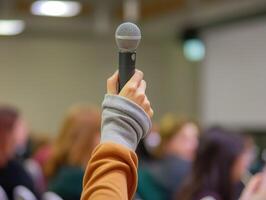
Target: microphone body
x,y
127,61
127,37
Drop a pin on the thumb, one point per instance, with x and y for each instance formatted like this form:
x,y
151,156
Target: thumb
x,y
112,83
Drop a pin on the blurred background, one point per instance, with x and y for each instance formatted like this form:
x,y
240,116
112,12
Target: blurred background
x,y
203,59
53,61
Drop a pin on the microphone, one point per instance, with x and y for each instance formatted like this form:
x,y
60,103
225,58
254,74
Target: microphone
x,y
127,37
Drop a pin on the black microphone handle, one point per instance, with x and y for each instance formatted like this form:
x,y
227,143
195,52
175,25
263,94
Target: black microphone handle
x,y
127,62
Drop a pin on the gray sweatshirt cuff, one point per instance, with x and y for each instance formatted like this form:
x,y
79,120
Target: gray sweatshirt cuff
x,y
123,122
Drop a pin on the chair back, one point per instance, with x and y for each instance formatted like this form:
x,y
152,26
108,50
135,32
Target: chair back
x,y
3,195
51,196
22,193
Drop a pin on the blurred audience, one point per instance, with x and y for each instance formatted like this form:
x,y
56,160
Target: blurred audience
x,y
71,151
179,142
249,155
42,149
220,163
23,142
146,149
13,134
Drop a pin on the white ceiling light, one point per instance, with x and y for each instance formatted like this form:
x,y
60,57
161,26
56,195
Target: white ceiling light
x,y
56,8
11,27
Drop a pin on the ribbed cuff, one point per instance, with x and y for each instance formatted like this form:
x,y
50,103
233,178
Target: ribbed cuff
x,y
123,121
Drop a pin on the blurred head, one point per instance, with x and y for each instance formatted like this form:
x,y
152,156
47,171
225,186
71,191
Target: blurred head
x,y
21,133
218,164
245,159
79,135
9,125
179,137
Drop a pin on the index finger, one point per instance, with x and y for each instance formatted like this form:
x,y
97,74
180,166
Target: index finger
x,y
112,83
135,79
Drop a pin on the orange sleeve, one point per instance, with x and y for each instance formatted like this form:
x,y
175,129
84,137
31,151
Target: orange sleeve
x,y
111,173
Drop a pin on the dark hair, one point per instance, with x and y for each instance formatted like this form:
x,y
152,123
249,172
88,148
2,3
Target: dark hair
x,y
211,171
8,118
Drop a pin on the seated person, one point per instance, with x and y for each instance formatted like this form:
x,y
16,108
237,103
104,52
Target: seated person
x,y
219,165
178,148
71,151
12,173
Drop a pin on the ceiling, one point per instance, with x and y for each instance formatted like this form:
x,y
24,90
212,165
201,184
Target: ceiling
x,y
157,17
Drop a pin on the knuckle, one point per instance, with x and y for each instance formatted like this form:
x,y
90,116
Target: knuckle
x,y
141,73
144,82
141,97
147,104
151,113
132,88
109,80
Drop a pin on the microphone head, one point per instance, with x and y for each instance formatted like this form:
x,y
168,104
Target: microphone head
x,y
127,37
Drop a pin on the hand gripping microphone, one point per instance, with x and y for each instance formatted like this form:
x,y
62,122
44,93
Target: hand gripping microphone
x,y
127,37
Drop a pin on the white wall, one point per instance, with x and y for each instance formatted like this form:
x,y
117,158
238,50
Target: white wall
x,y
234,75
45,75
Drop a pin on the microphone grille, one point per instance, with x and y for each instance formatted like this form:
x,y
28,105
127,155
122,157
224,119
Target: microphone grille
x,y
128,36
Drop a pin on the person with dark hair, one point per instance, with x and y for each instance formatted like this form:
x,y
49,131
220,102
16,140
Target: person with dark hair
x,y
12,173
218,167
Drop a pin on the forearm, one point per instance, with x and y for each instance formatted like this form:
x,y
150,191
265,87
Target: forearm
x,y
112,169
111,173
